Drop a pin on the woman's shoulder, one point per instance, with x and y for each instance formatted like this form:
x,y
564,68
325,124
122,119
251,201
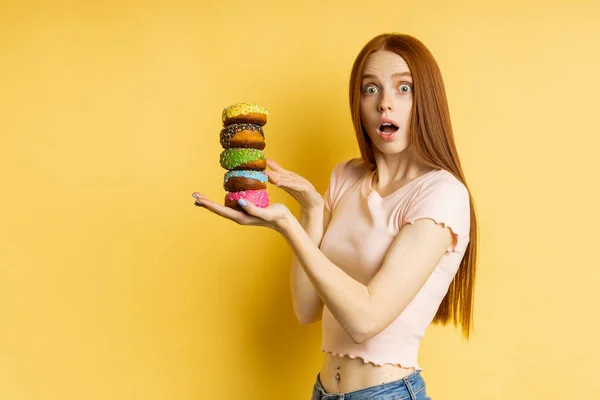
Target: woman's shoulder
x,y
443,182
352,169
443,176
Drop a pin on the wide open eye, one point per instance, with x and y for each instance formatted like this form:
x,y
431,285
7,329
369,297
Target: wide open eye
x,y
405,88
370,89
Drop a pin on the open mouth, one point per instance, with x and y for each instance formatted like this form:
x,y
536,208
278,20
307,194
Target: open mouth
x,y
388,128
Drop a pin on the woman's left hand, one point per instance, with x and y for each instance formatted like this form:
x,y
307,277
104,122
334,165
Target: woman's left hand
x,y
274,216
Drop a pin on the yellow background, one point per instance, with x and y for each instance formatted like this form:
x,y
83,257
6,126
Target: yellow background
x,y
114,286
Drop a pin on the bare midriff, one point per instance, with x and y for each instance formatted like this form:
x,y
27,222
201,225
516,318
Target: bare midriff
x,y
345,374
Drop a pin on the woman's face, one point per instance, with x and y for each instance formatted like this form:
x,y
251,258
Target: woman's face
x,y
386,100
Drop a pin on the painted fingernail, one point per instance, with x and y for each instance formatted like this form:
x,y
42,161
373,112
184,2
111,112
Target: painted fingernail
x,y
198,204
194,195
242,202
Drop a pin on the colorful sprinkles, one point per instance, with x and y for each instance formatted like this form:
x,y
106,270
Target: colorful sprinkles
x,y
256,175
230,131
241,109
232,158
259,198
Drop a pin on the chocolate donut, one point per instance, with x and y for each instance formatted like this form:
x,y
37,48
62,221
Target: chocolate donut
x,y
244,113
238,181
259,198
240,158
243,135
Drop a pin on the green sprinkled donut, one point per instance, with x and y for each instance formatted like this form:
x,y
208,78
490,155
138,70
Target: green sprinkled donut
x,y
242,158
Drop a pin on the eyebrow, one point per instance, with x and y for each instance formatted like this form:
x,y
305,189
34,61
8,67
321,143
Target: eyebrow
x,y
395,75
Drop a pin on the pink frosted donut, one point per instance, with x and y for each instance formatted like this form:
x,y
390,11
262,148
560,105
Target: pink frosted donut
x,y
259,198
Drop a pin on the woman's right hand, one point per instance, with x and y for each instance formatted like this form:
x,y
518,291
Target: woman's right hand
x,y
300,188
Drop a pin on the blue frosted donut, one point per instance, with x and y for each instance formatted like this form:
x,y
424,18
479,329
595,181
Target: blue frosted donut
x,y
241,180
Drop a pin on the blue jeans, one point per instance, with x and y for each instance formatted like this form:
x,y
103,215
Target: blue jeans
x,y
411,387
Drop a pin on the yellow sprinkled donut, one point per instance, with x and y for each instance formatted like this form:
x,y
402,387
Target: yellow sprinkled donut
x,y
247,113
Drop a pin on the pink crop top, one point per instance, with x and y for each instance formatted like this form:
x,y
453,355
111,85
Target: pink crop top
x,y
362,228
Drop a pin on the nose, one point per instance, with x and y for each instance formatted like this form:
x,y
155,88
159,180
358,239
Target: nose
x,y
385,104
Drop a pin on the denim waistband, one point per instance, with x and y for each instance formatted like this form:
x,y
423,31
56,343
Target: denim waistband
x,y
410,387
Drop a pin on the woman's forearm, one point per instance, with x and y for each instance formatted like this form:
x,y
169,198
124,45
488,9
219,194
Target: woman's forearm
x,y
307,303
347,299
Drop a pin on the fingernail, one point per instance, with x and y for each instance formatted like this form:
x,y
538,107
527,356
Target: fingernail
x,y
242,202
198,204
194,195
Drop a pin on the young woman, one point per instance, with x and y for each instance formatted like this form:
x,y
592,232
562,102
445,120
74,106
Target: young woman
x,y
391,247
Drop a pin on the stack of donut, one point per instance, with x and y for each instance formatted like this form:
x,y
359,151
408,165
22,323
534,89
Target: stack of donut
x,y
243,140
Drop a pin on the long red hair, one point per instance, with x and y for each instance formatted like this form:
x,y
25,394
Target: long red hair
x,y
432,139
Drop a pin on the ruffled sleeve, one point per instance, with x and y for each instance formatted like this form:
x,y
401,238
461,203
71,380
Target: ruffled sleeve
x,y
447,203
334,190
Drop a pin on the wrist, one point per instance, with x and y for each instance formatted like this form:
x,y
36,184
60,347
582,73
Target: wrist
x,y
314,208
307,215
285,225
